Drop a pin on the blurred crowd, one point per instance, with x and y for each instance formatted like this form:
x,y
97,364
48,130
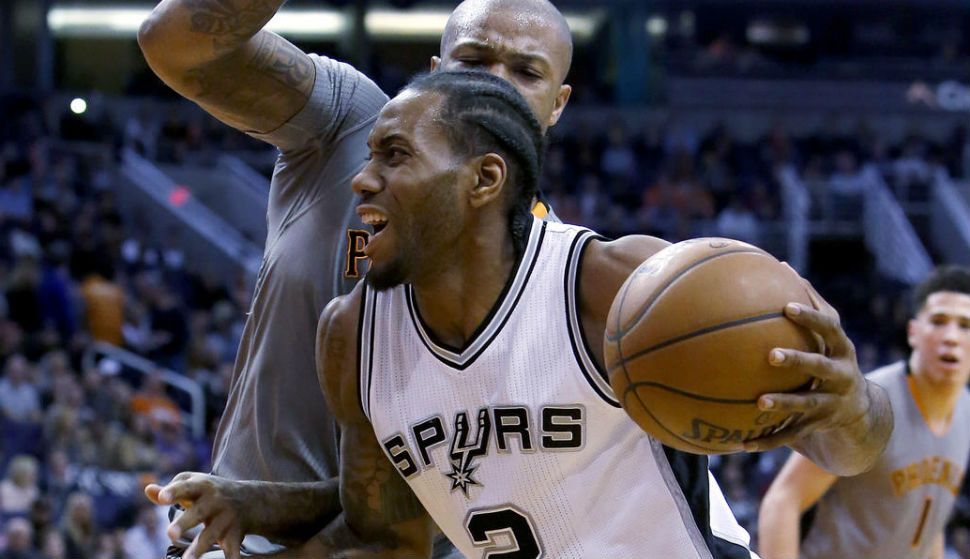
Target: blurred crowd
x,y
81,435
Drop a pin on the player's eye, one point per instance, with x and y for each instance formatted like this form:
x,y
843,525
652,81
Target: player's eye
x,y
530,73
395,155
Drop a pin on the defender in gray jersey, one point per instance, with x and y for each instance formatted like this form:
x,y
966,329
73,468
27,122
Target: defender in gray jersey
x,y
898,509
318,112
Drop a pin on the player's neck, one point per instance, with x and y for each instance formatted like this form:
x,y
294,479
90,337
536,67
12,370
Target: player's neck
x,y
455,300
935,401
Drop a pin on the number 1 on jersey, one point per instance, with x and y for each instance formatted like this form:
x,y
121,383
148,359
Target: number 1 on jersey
x,y
922,521
483,525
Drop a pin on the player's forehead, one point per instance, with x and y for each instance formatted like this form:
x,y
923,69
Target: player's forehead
x,y
408,115
949,303
508,33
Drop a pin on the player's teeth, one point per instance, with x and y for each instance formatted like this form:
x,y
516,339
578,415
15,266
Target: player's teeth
x,y
373,219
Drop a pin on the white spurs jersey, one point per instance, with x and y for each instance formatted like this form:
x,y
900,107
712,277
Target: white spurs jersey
x,y
516,445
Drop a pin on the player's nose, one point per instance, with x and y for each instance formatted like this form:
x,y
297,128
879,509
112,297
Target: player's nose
x,y
499,70
365,182
951,333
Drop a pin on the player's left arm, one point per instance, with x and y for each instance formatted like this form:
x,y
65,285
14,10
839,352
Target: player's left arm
x,y
846,419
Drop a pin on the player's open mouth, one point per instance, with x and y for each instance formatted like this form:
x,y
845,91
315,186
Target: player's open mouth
x,y
948,358
373,218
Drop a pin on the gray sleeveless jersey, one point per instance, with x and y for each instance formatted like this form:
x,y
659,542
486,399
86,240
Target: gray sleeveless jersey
x,y
895,510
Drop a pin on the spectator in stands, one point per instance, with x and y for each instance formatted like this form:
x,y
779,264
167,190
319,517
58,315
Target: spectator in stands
x,y
911,168
846,187
659,215
23,294
19,489
19,541
141,133
54,548
169,329
174,449
58,307
153,402
104,304
16,198
19,399
147,538
619,165
110,546
135,450
736,221
41,517
78,527
58,481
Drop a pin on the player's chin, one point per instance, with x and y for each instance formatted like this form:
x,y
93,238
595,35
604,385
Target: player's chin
x,y
385,275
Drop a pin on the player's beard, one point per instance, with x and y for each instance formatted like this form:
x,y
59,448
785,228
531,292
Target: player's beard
x,y
382,278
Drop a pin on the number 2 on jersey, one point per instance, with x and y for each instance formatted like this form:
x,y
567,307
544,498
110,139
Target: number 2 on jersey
x,y
483,525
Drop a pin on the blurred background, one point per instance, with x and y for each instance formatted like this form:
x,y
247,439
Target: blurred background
x,y
832,133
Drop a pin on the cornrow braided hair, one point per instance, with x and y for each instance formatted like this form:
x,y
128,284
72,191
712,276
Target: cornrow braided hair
x,y
482,114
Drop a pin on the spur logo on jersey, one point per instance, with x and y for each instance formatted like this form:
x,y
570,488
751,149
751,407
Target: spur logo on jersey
x,y
497,430
934,470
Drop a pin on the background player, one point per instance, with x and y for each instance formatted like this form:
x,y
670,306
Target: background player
x,y
462,318
276,426
900,507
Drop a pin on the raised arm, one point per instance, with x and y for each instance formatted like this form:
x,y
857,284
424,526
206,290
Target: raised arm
x,y
380,510
799,485
216,53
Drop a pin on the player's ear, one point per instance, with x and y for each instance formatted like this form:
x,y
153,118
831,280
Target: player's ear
x,y
435,63
490,176
911,332
561,99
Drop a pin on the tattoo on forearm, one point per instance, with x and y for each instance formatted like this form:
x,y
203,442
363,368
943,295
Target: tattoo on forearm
x,y
374,495
230,22
281,60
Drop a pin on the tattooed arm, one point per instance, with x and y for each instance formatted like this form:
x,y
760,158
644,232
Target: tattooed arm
x,y
216,53
379,508
381,519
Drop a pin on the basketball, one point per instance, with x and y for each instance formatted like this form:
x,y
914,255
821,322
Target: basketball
x,y
687,343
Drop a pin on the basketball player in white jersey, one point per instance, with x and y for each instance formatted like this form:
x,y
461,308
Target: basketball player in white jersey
x,y
317,111
899,508
466,372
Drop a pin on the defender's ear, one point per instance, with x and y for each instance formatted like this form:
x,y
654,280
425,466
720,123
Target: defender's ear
x,y
491,175
561,99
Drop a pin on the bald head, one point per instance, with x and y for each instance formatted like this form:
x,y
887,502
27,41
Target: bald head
x,y
525,42
541,13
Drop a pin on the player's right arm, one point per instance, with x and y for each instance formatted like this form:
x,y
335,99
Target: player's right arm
x,y
379,507
799,485
216,53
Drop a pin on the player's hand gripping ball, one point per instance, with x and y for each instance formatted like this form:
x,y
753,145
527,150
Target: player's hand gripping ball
x,y
687,343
